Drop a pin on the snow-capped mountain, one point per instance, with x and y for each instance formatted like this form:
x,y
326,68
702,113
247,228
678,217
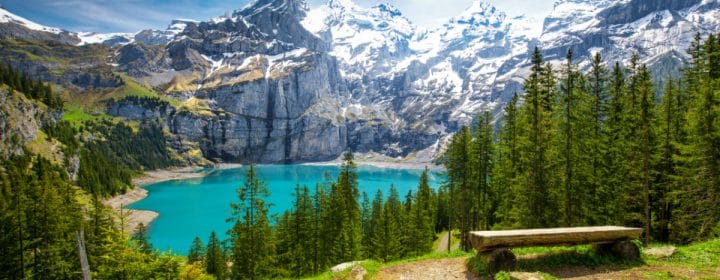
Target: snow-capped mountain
x,y
147,36
367,41
15,25
275,76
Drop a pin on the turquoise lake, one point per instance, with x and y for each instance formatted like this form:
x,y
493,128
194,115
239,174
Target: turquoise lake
x,y
196,207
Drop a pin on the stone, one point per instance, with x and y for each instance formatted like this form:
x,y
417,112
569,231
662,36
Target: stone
x,y
357,273
626,249
660,252
526,276
344,266
500,260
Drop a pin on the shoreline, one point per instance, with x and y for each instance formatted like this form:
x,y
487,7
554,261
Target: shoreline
x,y
134,217
382,164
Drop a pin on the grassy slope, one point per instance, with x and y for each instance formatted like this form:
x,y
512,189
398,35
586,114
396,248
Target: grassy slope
x,y
695,261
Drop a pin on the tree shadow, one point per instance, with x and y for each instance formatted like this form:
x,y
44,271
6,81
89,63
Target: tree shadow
x,y
575,264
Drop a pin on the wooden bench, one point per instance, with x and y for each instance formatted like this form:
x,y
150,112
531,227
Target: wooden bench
x,y
494,246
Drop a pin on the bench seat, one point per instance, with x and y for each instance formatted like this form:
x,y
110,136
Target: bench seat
x,y
485,241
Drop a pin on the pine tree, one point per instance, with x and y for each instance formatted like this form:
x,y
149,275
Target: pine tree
x,y
505,169
670,124
644,144
597,143
534,204
374,229
486,203
215,263
347,244
197,251
389,233
700,160
140,236
459,172
617,130
366,212
251,236
423,213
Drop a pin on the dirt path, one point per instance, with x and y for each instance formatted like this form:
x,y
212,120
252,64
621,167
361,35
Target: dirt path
x,y
442,247
430,269
455,268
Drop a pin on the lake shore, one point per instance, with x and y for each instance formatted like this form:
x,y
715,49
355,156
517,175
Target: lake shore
x,y
135,217
384,164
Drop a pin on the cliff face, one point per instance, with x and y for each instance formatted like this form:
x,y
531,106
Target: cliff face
x,y
254,87
21,121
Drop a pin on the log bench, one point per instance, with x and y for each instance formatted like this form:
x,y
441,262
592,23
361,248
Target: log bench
x,y
494,246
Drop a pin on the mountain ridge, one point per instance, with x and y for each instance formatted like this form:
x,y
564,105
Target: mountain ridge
x,y
382,84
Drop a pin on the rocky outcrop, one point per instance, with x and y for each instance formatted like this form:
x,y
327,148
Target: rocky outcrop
x,y
140,108
21,121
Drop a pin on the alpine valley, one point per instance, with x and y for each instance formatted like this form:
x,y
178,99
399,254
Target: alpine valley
x,y
278,82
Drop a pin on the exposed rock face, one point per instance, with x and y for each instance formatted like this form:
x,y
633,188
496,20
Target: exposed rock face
x,y
256,87
20,122
140,109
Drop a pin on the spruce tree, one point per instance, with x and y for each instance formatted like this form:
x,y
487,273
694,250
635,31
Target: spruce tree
x,y
670,124
645,141
597,143
197,251
424,213
215,263
347,244
374,230
534,205
482,153
462,192
251,236
140,236
505,168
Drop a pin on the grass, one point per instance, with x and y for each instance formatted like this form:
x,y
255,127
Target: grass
x,y
76,114
699,255
695,261
533,259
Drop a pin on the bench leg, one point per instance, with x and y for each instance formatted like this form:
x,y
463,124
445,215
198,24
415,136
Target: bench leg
x,y
499,260
624,249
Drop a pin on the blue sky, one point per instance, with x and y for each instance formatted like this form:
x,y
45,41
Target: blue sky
x,y
134,15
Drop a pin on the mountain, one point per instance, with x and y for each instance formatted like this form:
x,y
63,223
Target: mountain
x,y
278,82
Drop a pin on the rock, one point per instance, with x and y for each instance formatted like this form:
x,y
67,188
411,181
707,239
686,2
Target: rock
x,y
526,276
357,273
626,249
660,252
500,260
21,122
345,266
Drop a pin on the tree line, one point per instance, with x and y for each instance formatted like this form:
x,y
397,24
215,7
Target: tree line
x,y
605,147
115,154
328,225
31,88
